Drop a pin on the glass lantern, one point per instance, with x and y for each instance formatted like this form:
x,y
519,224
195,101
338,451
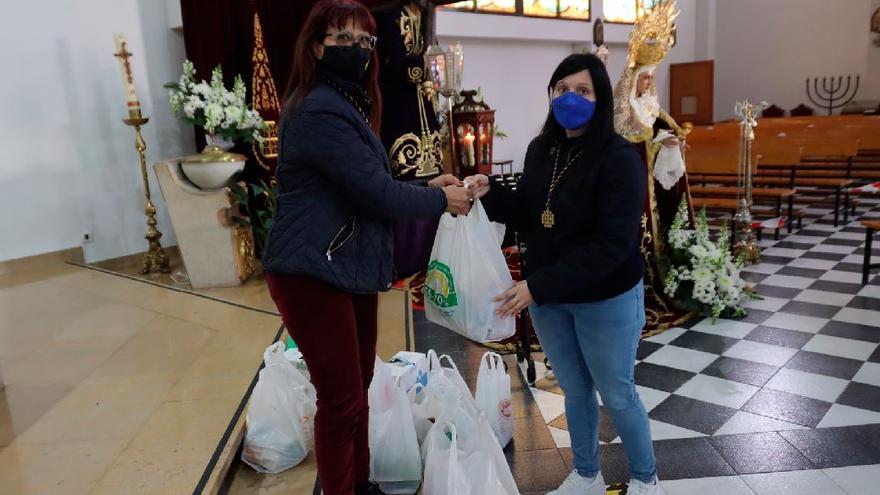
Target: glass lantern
x,y
474,125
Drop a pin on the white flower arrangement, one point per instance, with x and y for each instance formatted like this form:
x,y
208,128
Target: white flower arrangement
x,y
701,273
214,108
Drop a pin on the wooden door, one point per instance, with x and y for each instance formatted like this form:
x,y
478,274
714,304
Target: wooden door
x,y
691,92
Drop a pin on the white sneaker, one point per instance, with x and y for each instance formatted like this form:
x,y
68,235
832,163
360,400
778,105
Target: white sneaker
x,y
637,487
576,484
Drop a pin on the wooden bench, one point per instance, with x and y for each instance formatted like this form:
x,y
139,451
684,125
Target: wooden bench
x,y
777,165
776,195
871,226
809,154
730,206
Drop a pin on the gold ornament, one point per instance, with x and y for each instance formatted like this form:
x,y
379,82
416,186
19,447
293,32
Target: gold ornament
x,y
265,99
652,35
411,29
422,153
245,258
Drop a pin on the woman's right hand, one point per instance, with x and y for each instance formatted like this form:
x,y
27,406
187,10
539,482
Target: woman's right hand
x,y
478,185
458,200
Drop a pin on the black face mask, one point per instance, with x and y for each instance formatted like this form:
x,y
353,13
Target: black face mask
x,y
348,62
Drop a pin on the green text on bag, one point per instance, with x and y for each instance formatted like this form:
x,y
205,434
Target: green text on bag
x,y
439,287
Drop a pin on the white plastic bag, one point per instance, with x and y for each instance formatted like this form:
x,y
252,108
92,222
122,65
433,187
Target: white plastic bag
x,y
493,396
450,374
409,368
281,415
395,459
445,388
421,412
444,473
463,457
467,271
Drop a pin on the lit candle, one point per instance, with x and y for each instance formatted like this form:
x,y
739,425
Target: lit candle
x,y
124,57
484,149
469,144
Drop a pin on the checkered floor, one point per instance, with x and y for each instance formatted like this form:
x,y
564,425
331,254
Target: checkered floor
x,y
794,386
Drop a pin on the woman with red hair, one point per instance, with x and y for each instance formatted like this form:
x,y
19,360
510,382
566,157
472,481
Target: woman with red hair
x,y
329,251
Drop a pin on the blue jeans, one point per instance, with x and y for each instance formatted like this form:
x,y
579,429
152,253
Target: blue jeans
x,y
592,346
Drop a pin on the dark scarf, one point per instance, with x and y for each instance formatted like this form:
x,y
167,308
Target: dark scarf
x,y
353,92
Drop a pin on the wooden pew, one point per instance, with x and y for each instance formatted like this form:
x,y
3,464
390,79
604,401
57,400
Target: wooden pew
x,y
791,154
718,163
836,152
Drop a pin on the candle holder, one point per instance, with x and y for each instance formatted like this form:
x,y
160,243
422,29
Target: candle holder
x,y
745,244
155,256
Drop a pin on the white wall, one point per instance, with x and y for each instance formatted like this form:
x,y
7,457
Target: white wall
x,y
766,49
70,165
512,59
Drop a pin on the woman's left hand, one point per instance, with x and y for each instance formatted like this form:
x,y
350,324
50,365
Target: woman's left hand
x,y
445,180
515,300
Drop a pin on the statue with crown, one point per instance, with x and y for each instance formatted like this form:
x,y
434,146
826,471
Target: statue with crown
x,y
661,142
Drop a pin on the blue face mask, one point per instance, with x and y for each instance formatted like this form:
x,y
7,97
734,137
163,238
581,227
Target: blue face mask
x,y
573,111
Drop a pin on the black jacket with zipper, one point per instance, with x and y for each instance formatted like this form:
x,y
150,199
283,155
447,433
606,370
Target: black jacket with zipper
x,y
593,251
336,198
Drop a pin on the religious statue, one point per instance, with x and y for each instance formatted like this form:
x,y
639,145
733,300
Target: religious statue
x,y
410,130
639,118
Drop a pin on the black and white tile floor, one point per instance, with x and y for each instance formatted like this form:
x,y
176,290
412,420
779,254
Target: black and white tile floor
x,y
786,401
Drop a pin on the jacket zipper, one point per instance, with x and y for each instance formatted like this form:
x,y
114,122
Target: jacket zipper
x,y
334,245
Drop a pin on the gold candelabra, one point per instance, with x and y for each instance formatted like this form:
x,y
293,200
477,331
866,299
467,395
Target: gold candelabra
x,y
745,244
155,256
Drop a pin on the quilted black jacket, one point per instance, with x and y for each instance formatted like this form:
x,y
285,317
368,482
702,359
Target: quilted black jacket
x,y
337,197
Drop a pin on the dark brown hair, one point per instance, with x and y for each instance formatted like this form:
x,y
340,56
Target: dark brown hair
x,y
304,69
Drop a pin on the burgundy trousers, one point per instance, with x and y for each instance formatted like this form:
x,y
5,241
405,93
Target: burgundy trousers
x,y
336,333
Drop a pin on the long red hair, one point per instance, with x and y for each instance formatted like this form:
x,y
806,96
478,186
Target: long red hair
x,y
304,69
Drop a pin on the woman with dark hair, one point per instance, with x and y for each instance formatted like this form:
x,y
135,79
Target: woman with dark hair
x,y
578,207
329,251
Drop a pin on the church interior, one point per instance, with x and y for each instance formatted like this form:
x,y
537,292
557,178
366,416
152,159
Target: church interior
x,y
136,320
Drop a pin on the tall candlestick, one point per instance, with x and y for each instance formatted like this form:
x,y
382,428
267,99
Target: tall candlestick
x,y
124,56
155,256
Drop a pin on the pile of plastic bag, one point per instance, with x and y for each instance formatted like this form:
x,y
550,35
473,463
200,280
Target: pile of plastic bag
x,y
426,429
432,429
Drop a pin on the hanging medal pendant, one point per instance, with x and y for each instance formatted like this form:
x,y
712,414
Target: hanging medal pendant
x,y
548,219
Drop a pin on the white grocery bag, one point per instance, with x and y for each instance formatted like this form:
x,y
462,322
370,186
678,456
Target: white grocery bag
x,y
467,271
493,396
444,389
421,411
463,457
444,473
395,459
446,376
409,368
280,417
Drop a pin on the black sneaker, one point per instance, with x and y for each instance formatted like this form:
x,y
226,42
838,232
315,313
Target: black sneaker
x,y
368,488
